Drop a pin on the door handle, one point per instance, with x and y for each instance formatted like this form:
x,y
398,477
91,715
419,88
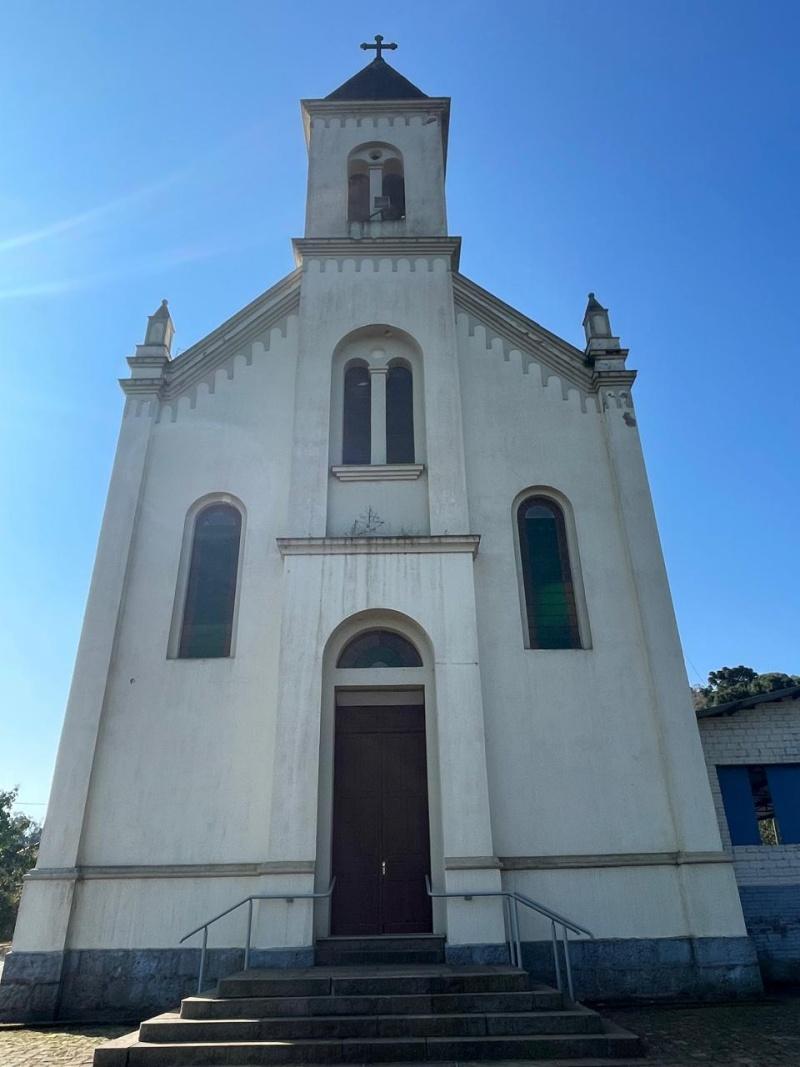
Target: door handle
x,y
383,868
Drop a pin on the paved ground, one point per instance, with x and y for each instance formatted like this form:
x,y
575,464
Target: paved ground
x,y
757,1034
763,1034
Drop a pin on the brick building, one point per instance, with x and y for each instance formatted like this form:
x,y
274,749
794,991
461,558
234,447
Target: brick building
x,y
752,749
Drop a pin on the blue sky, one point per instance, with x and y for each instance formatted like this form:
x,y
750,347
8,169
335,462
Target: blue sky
x,y
647,151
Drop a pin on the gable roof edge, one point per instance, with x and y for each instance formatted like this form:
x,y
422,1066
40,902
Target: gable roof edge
x,y
210,351
523,333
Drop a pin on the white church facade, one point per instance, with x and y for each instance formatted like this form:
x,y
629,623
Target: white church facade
x,y
379,601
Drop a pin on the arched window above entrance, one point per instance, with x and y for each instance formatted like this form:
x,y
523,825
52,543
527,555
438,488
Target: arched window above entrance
x,y
379,648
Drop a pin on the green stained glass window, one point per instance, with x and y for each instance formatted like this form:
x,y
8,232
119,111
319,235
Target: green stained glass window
x,y
211,588
379,648
549,594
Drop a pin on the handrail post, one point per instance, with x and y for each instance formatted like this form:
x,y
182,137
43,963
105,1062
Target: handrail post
x,y
202,973
249,933
515,926
249,901
507,930
556,963
567,964
513,954
511,900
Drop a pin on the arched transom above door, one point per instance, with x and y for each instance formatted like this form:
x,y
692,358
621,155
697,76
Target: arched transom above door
x,y
379,648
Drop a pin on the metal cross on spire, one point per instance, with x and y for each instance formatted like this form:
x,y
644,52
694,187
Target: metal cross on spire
x,y
379,46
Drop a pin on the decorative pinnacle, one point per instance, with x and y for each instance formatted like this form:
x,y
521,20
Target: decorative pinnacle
x,y
379,46
160,329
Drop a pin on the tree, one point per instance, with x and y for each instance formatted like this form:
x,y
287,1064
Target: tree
x,y
19,845
734,683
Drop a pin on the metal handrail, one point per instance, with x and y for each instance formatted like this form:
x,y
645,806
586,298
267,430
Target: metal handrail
x,y
290,898
511,899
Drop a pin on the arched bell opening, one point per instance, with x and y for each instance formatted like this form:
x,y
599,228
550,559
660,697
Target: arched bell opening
x,y
376,188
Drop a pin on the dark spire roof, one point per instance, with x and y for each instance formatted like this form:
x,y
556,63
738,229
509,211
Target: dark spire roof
x,y
377,81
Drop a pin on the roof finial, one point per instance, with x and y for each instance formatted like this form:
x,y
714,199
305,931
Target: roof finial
x,y
379,46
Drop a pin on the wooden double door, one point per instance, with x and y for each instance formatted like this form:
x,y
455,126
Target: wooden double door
x,y
381,836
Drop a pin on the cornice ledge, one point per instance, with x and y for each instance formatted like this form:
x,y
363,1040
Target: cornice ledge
x,y
141,386
368,546
471,863
612,378
611,859
359,247
378,472
149,360
171,870
372,107
52,874
521,332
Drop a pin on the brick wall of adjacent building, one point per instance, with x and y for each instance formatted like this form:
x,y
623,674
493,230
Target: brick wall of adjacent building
x,y
768,875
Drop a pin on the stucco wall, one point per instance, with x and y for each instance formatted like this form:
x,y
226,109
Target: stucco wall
x,y
187,743
580,759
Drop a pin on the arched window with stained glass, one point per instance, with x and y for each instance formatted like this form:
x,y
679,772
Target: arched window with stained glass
x,y
207,627
550,610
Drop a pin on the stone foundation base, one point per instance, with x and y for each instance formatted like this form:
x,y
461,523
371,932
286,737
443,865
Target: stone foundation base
x,y
461,955
119,984
123,984
704,968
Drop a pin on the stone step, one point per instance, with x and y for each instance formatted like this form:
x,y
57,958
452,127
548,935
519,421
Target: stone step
x,y
377,955
171,1028
134,1053
358,951
366,981
539,998
388,941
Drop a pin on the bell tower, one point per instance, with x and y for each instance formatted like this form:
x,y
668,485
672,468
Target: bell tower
x,y
377,149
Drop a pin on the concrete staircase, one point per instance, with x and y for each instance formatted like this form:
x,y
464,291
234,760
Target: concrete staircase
x,y
353,1009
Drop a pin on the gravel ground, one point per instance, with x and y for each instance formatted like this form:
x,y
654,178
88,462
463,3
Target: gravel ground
x,y
53,1046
